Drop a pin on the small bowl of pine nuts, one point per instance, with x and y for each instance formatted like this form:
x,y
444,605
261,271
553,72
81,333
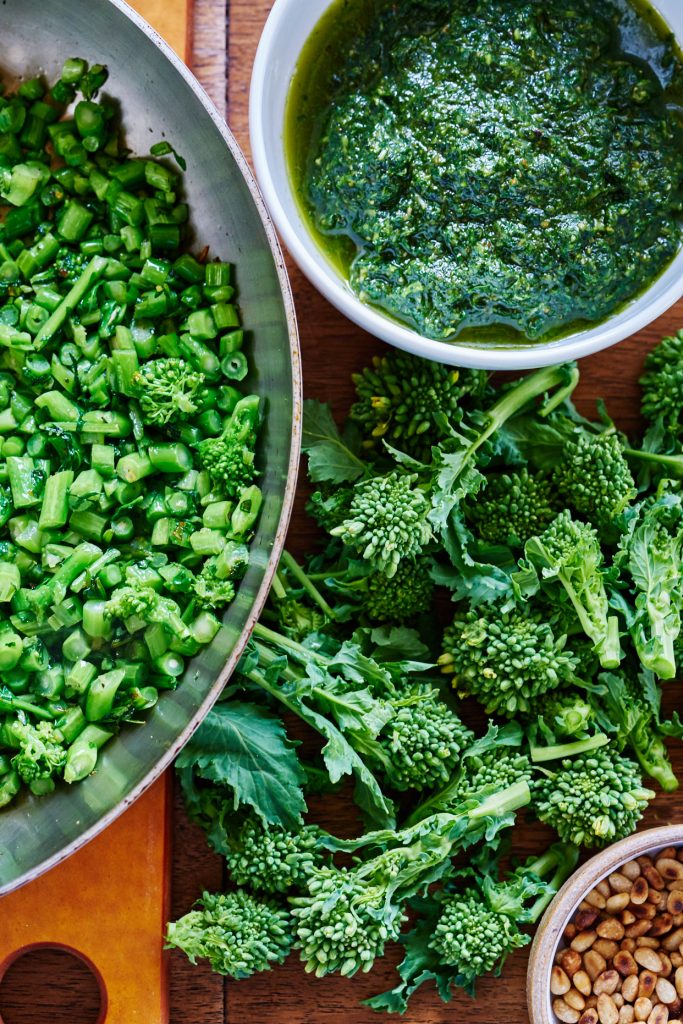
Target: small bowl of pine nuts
x,y
610,947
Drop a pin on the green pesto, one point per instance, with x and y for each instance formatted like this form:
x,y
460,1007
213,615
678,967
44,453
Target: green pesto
x,y
502,170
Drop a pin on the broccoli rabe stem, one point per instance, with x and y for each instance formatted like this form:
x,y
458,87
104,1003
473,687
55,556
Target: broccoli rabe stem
x,y
561,859
671,465
92,273
554,753
293,567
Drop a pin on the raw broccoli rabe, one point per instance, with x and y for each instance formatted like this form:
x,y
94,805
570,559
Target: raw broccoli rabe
x,y
237,933
594,478
348,915
662,384
401,597
167,389
628,710
493,763
568,553
505,659
560,715
651,560
592,799
229,458
139,606
410,402
513,507
469,927
330,506
423,739
271,859
387,521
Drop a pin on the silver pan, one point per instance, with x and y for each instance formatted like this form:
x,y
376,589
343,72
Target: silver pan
x,y
161,99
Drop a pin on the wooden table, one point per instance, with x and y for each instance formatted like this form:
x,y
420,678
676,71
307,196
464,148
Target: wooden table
x,y
332,348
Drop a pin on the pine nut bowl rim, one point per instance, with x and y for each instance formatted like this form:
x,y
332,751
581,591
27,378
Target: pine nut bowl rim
x,y
564,906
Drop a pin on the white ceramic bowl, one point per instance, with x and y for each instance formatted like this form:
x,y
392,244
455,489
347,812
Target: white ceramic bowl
x,y
286,31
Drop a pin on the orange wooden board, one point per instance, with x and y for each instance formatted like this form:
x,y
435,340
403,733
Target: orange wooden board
x,y
108,904
171,19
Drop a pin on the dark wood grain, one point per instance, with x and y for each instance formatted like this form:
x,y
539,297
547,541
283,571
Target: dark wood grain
x,y
332,348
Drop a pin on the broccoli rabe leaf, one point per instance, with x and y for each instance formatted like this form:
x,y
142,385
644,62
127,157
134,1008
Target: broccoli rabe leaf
x,y
469,576
331,456
245,747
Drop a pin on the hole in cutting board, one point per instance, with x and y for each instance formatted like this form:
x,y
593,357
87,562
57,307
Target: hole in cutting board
x,y
50,985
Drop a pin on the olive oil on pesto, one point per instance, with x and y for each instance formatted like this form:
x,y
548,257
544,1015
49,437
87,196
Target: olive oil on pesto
x,y
493,170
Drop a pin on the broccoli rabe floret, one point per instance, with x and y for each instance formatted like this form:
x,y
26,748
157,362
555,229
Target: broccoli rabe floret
x,y
269,858
592,799
237,933
42,753
407,593
143,603
229,458
329,506
340,924
505,659
513,507
595,479
562,715
409,401
167,389
387,521
423,740
296,619
212,592
662,385
570,553
70,263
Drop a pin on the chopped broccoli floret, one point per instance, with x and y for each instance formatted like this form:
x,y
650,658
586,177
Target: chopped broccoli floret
x,y
144,604
42,753
410,401
595,478
423,740
271,859
513,507
592,799
506,659
387,521
237,933
229,458
167,389
211,591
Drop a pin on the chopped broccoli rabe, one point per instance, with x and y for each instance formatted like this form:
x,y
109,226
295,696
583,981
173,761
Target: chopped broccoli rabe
x,y
168,389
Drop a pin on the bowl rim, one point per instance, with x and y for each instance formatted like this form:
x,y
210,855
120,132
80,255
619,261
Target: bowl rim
x,y
292,473
322,274
563,906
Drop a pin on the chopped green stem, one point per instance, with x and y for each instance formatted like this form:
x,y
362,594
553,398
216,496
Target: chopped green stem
x,y
92,273
554,753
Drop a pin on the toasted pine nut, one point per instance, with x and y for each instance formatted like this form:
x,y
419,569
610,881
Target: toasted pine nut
x,y
665,990
662,924
625,964
643,911
593,964
589,1017
607,1011
596,899
667,966
676,959
656,898
669,869
673,940
619,882
627,917
606,948
648,959
559,982
642,1007
575,1000
631,869
678,981
668,851
618,1000
647,982
585,919
565,1013
615,904
611,928
645,941
582,982
627,1015
629,988
674,903
569,932
639,890
655,880
629,944
607,982
659,1015
637,929
571,962
583,941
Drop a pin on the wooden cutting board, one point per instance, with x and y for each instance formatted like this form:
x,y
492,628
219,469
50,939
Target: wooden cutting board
x,y
108,903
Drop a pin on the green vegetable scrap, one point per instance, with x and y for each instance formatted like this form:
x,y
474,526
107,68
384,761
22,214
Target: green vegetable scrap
x,y
118,362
